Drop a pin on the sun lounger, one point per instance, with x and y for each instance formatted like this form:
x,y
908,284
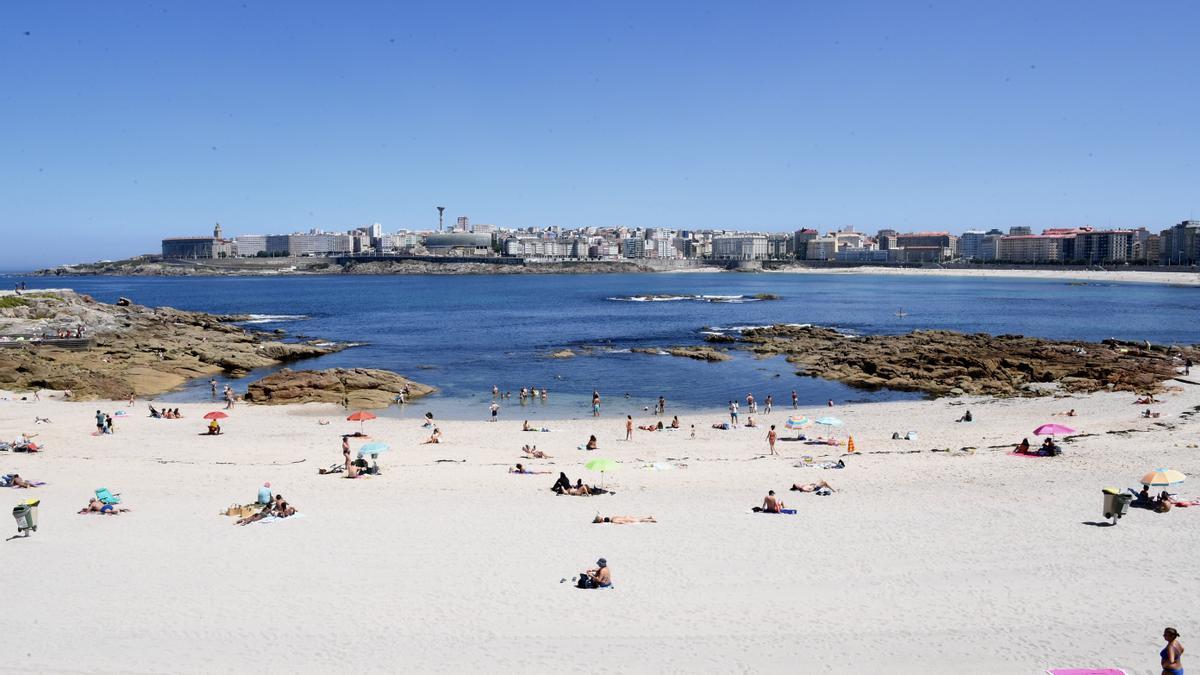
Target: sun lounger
x,y
107,497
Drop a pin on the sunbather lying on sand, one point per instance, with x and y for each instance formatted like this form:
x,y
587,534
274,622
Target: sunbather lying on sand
x,y
519,468
1145,400
623,520
724,426
278,508
15,481
97,506
534,452
812,487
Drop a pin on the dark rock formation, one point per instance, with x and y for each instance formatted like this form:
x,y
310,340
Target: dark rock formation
x,y
353,387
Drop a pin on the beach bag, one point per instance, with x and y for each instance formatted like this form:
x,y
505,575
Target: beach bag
x,y
585,582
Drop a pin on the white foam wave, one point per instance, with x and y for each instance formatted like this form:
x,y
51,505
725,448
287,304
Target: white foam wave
x,y
272,318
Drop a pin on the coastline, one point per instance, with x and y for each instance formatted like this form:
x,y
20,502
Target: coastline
x,y
1096,276
967,542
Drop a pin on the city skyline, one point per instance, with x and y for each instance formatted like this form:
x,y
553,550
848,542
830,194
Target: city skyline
x,y
133,123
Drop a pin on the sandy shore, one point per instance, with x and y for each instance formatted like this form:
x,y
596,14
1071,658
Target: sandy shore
x,y
921,562
1172,278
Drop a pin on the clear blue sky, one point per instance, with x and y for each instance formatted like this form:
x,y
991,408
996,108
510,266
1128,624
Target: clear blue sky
x,y
124,122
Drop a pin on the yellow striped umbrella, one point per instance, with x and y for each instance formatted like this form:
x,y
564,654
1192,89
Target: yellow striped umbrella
x,y
1163,478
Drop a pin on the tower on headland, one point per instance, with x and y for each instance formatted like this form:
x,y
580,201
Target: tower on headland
x,y
217,231
441,210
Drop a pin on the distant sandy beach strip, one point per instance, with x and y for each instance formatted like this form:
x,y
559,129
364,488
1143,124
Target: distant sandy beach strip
x,y
1171,278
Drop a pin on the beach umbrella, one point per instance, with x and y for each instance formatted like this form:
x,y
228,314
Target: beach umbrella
x,y
374,448
795,423
360,417
1052,430
602,465
215,415
830,422
1163,478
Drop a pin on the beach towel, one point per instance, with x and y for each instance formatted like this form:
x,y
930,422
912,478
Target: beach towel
x,y
781,512
1085,671
1023,454
276,519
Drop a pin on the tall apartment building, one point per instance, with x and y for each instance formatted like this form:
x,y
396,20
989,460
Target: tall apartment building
x,y
970,244
1103,247
1180,244
800,239
1030,248
927,246
821,248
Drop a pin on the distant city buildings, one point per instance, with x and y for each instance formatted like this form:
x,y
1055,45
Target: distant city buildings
x,y
1176,245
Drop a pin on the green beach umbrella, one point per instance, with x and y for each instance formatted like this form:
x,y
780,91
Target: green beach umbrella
x,y
602,465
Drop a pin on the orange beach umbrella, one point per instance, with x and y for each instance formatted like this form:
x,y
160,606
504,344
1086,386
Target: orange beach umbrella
x,y
360,417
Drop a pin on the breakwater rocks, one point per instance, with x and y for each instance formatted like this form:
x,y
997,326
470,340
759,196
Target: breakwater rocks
x,y
349,387
948,363
128,348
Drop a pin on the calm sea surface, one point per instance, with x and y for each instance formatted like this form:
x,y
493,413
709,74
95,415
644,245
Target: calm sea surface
x,y
463,334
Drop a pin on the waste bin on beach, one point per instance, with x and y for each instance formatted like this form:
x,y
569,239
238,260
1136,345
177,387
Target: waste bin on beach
x,y
25,514
1116,504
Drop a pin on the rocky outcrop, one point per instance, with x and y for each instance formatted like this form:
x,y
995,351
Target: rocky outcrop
x,y
563,354
948,363
699,353
143,350
352,388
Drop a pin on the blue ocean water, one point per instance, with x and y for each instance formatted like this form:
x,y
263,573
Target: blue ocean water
x,y
464,334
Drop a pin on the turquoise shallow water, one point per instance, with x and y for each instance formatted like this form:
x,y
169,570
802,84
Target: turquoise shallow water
x,y
465,333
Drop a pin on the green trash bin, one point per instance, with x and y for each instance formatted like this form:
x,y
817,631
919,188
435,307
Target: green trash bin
x,y
26,516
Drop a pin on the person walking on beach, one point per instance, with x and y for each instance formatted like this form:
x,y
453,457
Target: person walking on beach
x,y
108,424
495,410
629,427
1187,367
1171,655
595,403
795,400
771,436
770,402
733,411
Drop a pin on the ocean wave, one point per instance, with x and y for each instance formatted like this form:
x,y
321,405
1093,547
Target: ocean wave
x,y
273,318
718,330
731,299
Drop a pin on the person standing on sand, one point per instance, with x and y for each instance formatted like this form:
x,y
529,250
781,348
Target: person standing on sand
x,y
1171,655
1187,367
108,424
795,400
346,449
495,411
99,422
770,402
771,436
830,403
629,427
733,412
751,406
595,403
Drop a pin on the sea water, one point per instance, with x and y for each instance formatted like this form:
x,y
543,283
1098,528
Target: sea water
x,y
464,334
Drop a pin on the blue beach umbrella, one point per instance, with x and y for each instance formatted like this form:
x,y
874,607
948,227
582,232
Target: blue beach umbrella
x,y
374,448
829,422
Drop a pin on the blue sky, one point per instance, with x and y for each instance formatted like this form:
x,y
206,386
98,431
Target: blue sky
x,y
126,122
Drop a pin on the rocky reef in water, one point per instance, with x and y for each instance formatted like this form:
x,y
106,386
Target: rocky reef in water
x,y
349,387
941,362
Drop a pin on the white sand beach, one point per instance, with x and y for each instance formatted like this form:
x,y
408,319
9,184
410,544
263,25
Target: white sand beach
x,y
1095,276
920,562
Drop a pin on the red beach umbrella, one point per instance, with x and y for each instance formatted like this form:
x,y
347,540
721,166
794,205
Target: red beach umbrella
x,y
215,415
360,417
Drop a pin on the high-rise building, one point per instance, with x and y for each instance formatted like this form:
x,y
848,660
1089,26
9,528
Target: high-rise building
x,y
1019,230
970,243
1103,247
1180,244
800,239
740,247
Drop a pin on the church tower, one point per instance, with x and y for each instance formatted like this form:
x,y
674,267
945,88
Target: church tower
x,y
217,231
